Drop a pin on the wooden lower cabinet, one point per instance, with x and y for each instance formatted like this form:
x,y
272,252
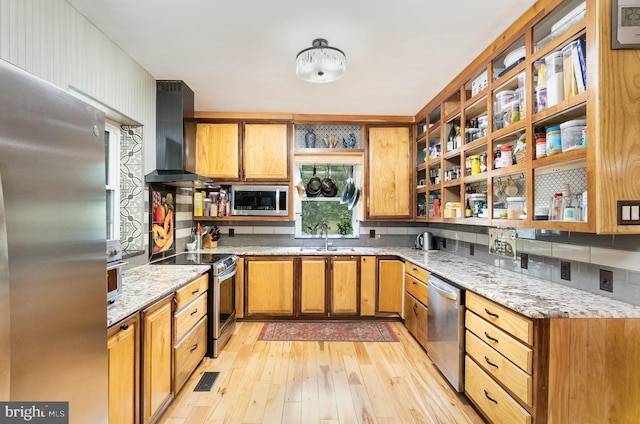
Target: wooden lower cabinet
x,y
415,318
574,370
124,371
313,286
269,287
368,280
345,288
390,277
157,355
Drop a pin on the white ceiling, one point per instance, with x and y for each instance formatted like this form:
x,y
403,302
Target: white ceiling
x,y
239,55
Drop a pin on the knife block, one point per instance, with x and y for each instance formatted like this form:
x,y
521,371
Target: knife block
x,y
207,242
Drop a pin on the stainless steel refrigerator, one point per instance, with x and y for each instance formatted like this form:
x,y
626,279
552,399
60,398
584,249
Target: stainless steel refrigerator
x,y
53,343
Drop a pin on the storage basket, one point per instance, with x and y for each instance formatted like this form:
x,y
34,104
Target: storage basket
x,y
521,156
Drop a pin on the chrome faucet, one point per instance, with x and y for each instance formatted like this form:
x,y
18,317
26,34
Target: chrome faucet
x,y
325,228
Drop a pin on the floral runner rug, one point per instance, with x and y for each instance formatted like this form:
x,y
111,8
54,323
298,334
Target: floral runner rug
x,y
343,331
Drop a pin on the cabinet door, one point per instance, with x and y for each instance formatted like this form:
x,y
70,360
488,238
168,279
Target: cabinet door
x,y
390,279
415,319
269,288
313,286
218,150
157,350
368,285
344,286
389,173
265,152
124,371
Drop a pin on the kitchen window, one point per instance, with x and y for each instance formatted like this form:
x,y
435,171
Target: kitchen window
x,y
312,213
112,179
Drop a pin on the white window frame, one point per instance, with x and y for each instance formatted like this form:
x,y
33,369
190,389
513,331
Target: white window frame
x,y
113,184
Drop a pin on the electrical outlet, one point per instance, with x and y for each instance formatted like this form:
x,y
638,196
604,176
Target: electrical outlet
x,y
524,260
565,270
606,280
372,233
471,249
232,232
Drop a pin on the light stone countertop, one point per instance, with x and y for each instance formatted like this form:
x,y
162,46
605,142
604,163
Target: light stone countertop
x,y
530,296
143,285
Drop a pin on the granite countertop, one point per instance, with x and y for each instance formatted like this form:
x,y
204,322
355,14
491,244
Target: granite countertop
x,y
143,285
530,296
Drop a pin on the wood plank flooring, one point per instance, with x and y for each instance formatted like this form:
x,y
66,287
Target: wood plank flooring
x,y
320,382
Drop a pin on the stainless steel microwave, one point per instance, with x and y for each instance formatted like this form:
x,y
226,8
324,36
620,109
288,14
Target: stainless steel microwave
x,y
259,200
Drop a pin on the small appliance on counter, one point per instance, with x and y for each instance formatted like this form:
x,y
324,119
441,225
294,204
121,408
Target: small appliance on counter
x,y
424,241
114,270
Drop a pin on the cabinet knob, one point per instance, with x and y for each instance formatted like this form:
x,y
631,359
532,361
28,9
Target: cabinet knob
x,y
124,327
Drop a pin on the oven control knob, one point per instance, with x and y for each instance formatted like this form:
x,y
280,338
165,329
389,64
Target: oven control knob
x,y
221,268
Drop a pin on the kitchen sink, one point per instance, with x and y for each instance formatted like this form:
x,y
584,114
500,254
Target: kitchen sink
x,y
330,249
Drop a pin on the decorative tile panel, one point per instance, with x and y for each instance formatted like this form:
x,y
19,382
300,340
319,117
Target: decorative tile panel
x,y
342,131
131,189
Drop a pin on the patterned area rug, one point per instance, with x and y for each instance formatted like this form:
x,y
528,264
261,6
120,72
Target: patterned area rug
x,y
349,331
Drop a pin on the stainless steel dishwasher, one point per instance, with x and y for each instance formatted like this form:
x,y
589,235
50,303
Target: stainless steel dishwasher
x,y
445,325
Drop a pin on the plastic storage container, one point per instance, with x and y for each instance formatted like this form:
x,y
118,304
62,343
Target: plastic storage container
x,y
503,98
540,99
554,140
571,134
570,84
555,78
477,201
515,207
541,147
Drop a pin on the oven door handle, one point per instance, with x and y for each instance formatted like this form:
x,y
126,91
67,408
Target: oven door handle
x,y
226,275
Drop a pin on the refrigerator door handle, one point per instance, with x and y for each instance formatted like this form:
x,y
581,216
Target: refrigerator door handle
x,y
5,315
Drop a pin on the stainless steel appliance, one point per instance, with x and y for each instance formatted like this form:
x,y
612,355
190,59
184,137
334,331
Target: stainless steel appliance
x,y
222,294
445,330
114,270
424,241
260,200
53,314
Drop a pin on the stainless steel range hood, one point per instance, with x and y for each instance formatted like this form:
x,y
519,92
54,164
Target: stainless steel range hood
x,y
175,135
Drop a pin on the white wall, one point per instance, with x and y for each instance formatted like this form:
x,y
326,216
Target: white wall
x,y
50,39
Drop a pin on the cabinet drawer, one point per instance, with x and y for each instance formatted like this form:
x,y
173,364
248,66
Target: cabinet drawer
x,y
511,322
419,273
188,316
417,288
189,352
494,401
512,349
519,382
186,294
415,318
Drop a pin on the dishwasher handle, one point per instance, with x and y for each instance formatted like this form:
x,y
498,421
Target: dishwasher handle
x,y
443,291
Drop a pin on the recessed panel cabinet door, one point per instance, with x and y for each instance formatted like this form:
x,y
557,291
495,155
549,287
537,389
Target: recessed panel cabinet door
x,y
269,289
313,286
124,371
265,152
344,286
217,151
390,279
389,173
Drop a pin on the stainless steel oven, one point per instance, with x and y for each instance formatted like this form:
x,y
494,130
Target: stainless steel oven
x,y
114,270
224,306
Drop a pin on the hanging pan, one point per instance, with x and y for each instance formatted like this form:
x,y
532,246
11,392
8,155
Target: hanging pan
x,y
314,184
348,190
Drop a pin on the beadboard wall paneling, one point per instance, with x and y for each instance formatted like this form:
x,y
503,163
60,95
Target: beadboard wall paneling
x,y
51,40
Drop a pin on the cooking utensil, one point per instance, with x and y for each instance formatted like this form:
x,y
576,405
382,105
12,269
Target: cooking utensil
x,y
354,199
314,184
511,189
349,189
327,186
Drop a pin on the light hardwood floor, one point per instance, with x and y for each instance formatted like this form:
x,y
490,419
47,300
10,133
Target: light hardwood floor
x,y
320,382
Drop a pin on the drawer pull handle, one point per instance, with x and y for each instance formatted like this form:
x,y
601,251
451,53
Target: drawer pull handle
x,y
196,291
491,338
489,397
124,327
194,312
415,306
491,313
195,346
490,363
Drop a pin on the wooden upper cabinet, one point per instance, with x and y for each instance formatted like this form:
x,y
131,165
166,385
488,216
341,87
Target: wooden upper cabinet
x,y
218,147
266,152
389,173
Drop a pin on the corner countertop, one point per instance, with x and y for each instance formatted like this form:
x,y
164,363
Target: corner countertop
x,y
143,285
530,296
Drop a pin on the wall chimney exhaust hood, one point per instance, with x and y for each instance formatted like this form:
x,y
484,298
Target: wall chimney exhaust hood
x,y
175,135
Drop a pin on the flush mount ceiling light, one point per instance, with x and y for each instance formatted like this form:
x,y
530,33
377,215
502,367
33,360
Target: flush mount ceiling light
x,y
320,63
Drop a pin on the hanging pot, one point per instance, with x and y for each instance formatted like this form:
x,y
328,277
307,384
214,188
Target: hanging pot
x,y
328,187
354,199
314,184
349,189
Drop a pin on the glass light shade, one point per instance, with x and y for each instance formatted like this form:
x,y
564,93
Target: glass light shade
x,y
320,63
